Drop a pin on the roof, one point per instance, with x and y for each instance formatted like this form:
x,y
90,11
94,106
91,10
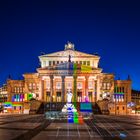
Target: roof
x,y
69,50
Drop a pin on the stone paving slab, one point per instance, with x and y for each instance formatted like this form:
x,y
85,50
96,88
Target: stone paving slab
x,y
10,134
67,130
20,125
44,136
66,126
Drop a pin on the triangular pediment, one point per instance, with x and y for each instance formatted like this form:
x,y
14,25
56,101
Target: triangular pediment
x,y
72,53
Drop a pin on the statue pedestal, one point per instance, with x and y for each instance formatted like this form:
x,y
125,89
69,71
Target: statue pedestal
x,y
69,107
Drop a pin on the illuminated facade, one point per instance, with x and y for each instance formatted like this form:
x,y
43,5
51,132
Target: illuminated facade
x,y
71,70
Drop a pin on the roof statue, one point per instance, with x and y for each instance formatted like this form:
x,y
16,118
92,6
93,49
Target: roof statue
x,y
69,46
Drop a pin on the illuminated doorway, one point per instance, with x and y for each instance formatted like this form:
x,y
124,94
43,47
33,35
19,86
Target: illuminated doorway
x,y
58,96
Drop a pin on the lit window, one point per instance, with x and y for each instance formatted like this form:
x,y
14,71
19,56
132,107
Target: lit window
x,y
79,85
34,86
15,89
21,89
37,86
48,84
44,63
58,85
69,85
30,85
90,84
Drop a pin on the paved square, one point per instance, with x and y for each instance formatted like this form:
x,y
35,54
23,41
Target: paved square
x,y
100,127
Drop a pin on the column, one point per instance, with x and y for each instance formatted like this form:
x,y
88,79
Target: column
x,y
75,89
95,93
86,87
45,89
51,88
98,89
42,89
63,89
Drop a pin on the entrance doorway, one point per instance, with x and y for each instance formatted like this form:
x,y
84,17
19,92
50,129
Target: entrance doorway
x,y
90,96
79,96
58,96
48,96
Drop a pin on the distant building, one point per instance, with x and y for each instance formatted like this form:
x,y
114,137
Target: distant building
x,y
136,100
75,71
3,94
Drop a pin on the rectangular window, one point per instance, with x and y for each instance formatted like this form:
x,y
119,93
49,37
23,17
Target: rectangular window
x,y
123,89
108,86
49,63
15,89
37,86
90,84
48,85
34,86
44,63
118,89
69,85
58,85
84,62
115,89
88,63
53,62
30,86
21,89
79,85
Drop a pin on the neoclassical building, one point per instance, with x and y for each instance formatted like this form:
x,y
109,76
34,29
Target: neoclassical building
x,y
75,71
